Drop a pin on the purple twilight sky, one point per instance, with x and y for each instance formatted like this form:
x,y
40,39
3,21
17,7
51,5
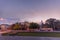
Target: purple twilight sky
x,y
30,10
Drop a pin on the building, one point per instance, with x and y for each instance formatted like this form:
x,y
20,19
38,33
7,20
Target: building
x,y
25,25
46,29
4,26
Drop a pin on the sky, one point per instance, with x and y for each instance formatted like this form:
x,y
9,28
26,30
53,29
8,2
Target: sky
x,y
30,10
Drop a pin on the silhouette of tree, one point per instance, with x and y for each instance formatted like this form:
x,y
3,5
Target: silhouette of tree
x,y
51,22
15,26
34,26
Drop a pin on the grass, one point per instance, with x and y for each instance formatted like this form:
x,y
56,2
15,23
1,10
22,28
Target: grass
x,y
41,34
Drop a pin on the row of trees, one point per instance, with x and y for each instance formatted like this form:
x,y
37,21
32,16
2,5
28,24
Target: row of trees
x,y
53,23
50,23
18,26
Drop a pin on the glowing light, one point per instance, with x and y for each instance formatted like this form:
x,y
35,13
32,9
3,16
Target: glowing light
x,y
1,19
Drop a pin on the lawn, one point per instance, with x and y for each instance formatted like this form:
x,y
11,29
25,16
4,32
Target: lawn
x,y
41,34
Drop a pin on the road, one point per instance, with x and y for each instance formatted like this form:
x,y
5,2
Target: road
x,y
15,31
7,31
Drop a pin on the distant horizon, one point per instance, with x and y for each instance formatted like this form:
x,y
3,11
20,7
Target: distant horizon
x,y
12,21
